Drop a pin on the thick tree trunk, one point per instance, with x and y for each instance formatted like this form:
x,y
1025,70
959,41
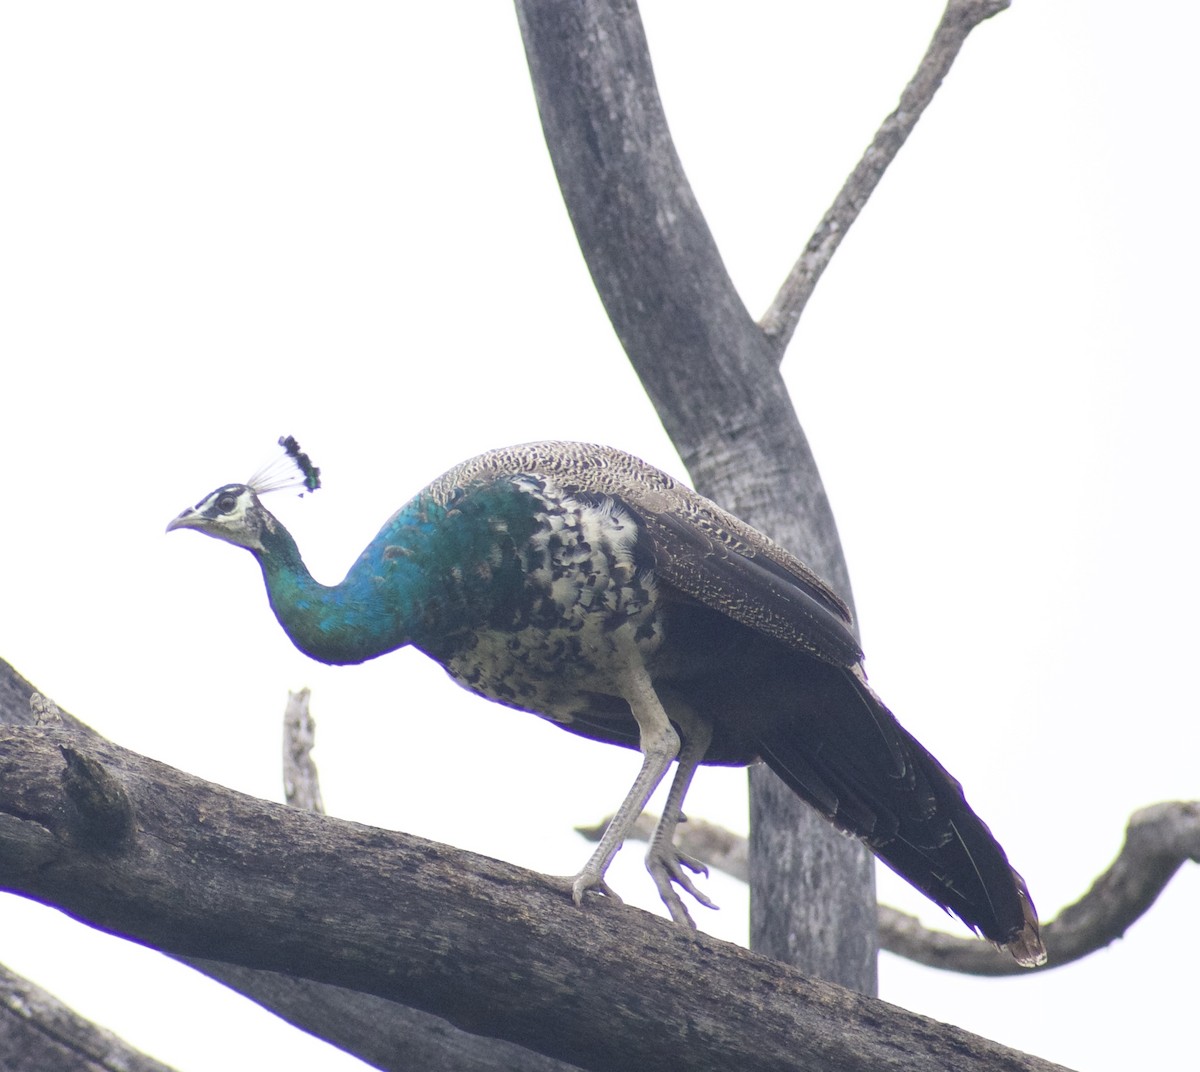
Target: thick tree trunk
x,y
713,376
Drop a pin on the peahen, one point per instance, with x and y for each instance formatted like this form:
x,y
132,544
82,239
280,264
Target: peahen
x,y
582,585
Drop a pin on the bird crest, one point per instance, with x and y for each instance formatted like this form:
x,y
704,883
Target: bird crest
x,y
291,469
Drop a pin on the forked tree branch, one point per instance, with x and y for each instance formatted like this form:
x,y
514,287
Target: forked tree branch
x,y
959,19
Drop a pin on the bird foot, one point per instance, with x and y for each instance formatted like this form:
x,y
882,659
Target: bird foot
x,y
666,866
589,879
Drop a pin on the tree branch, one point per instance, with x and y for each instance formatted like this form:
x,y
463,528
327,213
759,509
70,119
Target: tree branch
x,y
1159,840
39,1032
498,951
959,19
382,1033
301,786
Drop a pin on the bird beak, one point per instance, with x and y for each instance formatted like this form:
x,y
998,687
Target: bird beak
x,y
191,518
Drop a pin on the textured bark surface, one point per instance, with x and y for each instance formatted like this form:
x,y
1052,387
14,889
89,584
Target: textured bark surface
x,y
139,849
382,1033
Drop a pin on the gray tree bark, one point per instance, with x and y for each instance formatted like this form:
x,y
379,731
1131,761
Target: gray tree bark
x,y
138,849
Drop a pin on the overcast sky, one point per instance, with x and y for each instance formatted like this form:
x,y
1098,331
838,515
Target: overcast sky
x,y
224,222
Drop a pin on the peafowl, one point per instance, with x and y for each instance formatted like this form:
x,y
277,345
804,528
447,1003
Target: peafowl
x,y
582,585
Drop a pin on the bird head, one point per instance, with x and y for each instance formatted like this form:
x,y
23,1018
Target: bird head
x,y
233,512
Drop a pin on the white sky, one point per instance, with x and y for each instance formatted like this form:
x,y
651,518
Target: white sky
x,y
228,221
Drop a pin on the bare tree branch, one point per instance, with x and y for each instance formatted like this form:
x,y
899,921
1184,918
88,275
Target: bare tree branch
x,y
201,871
380,1032
959,19
38,1032
387,1035
1159,840
301,786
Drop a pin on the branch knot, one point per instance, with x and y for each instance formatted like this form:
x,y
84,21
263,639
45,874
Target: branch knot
x,y
101,813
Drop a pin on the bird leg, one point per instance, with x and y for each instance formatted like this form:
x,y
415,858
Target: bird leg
x,y
663,860
659,745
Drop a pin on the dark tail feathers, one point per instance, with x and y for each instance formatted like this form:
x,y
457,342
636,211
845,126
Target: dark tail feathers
x,y
846,755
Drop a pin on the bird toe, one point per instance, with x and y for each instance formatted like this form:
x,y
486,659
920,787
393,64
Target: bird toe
x,y
588,880
667,870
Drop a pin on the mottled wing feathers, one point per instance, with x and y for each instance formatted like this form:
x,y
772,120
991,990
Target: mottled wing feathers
x,y
699,548
751,588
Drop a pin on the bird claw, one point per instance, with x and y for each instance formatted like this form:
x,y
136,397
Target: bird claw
x,y
666,867
588,879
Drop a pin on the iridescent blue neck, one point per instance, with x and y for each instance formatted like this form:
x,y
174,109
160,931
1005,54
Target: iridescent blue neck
x,y
433,573
350,622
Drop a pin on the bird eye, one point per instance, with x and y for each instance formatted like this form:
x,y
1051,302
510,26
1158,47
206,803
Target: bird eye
x,y
226,503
